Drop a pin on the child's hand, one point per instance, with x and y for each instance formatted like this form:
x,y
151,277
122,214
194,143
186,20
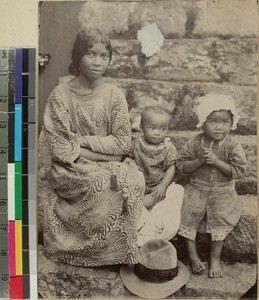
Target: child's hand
x,y
201,156
159,192
211,158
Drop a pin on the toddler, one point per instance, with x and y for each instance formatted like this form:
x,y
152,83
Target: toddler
x,y
214,159
156,156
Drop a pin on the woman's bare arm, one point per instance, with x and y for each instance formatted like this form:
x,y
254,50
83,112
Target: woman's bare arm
x,y
95,156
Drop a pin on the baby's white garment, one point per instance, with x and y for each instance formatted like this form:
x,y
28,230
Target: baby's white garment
x,y
163,220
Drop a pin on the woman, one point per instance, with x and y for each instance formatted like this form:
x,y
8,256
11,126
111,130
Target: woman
x,y
94,200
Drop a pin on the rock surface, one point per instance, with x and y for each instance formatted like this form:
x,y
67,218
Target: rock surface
x,y
63,281
232,61
236,279
182,19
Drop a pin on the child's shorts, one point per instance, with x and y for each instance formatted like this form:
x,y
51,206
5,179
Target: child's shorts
x,y
220,209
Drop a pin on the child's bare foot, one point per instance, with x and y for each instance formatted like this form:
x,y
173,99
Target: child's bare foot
x,y
197,265
215,268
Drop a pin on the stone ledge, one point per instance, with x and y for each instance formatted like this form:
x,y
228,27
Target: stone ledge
x,y
236,280
124,19
65,281
226,18
174,19
232,61
177,98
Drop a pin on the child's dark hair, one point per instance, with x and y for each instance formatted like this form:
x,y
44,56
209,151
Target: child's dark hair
x,y
85,40
154,108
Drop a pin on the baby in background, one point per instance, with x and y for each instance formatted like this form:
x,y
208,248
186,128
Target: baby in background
x,y
214,159
156,156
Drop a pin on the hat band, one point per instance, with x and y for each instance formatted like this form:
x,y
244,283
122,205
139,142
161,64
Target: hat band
x,y
156,276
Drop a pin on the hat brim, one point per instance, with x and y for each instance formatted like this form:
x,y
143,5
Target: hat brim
x,y
151,290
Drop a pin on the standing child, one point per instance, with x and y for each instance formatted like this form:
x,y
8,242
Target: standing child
x,y
214,159
156,156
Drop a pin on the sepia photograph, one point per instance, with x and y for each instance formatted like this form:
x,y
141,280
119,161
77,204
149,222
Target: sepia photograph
x,y
147,141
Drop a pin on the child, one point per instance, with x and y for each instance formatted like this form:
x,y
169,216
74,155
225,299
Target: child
x,y
214,159
156,156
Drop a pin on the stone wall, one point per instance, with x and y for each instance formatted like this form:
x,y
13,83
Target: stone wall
x,y
210,46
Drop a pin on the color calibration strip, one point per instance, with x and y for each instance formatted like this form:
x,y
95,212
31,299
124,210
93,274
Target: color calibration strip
x,y
6,71
18,175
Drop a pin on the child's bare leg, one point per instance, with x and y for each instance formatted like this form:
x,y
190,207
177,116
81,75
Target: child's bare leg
x,y
196,263
215,267
148,201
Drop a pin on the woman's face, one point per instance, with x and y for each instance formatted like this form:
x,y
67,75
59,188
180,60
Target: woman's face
x,y
95,62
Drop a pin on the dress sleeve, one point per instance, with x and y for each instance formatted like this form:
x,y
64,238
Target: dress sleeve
x,y
187,153
237,161
119,141
171,155
64,144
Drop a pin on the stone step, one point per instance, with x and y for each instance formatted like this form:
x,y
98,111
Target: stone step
x,y
63,281
236,280
174,19
178,98
238,264
232,61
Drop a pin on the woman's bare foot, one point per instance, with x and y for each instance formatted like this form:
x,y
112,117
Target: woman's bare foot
x,y
197,265
215,268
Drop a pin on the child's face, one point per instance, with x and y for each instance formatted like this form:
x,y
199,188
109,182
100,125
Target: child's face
x,y
218,124
155,127
95,62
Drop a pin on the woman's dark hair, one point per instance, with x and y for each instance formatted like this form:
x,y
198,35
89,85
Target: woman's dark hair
x,y
85,40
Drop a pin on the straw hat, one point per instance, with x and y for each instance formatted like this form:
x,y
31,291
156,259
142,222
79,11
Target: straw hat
x,y
158,273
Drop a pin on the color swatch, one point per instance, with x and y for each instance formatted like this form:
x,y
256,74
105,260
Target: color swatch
x,y
18,241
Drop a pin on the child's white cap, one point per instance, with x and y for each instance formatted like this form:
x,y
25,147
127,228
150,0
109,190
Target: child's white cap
x,y
205,105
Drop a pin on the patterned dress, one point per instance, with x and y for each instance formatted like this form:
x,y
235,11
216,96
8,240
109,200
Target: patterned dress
x,y
84,221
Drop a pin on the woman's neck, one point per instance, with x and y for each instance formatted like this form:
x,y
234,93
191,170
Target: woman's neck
x,y
85,85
